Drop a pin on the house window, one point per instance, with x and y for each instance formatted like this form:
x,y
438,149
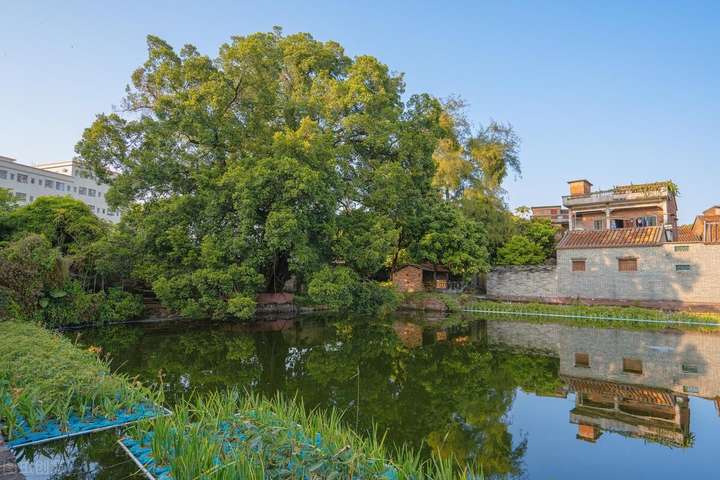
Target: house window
x,y
683,268
632,365
3,174
646,221
578,265
91,192
22,178
82,191
59,186
627,265
582,360
49,183
598,224
682,248
617,223
691,389
690,368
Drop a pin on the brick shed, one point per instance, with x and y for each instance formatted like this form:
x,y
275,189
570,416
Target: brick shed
x,y
414,277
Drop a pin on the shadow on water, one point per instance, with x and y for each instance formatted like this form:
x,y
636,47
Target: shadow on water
x,y
487,392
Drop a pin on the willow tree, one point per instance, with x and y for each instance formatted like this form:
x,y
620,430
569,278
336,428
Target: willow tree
x,y
240,171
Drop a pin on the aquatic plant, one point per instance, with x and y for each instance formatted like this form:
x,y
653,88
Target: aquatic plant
x,y
221,434
43,377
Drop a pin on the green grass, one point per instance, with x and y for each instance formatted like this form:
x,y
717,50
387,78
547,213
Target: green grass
x,y
598,315
230,435
43,376
543,312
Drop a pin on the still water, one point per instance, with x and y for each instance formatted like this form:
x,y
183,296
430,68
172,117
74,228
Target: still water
x,y
523,400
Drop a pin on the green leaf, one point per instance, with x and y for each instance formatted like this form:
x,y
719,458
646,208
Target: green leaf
x,y
57,293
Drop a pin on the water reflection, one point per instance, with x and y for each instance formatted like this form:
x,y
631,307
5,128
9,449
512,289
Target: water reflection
x,y
460,387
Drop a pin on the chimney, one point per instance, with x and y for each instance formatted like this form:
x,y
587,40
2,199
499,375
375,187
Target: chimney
x,y
579,187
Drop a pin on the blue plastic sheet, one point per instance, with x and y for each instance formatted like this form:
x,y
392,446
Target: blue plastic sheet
x,y
230,435
52,430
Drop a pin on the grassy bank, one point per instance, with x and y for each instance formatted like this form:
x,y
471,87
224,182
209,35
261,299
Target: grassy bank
x,y
43,377
230,435
595,315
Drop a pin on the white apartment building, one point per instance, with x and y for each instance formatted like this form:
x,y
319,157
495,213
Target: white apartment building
x,y
60,179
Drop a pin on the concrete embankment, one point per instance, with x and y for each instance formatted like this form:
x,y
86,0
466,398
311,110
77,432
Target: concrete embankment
x,y
8,466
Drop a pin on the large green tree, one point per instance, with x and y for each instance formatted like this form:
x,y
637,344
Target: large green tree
x,y
266,159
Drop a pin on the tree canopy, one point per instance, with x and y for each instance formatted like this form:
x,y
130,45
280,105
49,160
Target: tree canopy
x,y
279,157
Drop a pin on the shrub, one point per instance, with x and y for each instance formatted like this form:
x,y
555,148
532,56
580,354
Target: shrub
x,y
340,288
120,306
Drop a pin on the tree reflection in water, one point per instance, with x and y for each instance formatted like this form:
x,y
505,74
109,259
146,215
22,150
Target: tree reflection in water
x,y
428,387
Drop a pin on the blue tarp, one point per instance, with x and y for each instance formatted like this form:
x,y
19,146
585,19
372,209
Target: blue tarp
x,y
52,430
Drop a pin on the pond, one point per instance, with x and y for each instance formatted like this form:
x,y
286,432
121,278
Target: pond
x,y
521,399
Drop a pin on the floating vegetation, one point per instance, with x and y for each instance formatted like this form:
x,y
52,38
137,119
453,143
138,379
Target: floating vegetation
x,y
226,436
50,388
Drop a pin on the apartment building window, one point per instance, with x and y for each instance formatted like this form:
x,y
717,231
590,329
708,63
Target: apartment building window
x,y
91,192
578,265
627,264
32,180
598,224
682,248
683,268
582,360
646,221
92,208
21,178
12,176
690,368
49,184
82,191
632,365
59,186
3,174
20,196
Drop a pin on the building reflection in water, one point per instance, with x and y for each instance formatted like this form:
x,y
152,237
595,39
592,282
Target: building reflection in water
x,y
634,383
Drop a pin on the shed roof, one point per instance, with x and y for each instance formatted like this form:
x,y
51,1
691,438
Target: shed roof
x,y
424,266
623,237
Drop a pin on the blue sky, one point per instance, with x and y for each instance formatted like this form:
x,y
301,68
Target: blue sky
x,y
614,92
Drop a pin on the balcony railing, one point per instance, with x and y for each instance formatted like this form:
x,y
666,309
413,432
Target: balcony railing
x,y
610,196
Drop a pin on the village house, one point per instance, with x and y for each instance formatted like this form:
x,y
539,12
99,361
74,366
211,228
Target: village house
x,y
624,246
555,213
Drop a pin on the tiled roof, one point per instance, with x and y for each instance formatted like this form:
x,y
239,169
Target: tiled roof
x,y
650,395
686,234
622,237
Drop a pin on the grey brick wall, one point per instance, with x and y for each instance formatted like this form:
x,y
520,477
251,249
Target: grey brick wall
x,y
523,281
656,278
